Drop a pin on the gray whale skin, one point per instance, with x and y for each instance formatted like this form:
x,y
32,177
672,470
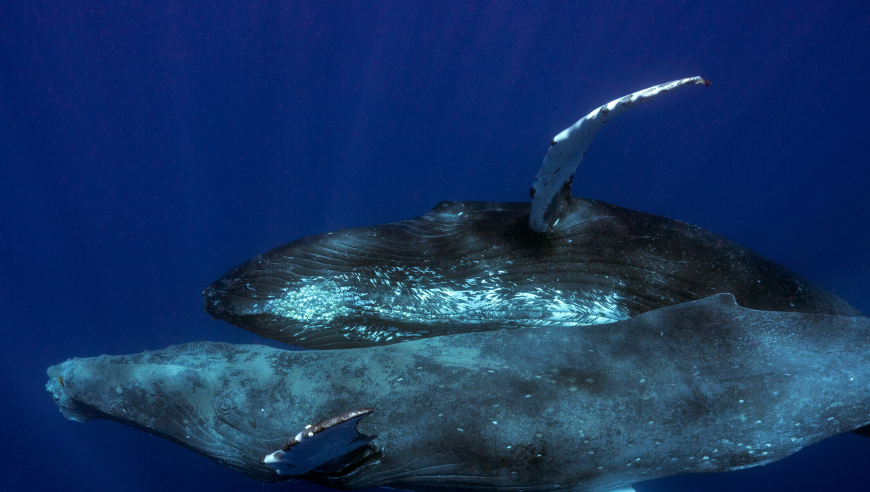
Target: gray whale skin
x,y
703,386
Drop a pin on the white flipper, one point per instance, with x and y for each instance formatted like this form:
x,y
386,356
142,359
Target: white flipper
x,y
320,443
552,186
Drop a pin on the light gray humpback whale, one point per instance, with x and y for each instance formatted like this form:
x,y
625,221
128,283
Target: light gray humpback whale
x,y
700,387
477,266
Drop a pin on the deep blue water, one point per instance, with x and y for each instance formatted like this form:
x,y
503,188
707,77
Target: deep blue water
x,y
147,147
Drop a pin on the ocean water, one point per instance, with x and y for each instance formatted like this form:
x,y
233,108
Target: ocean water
x,y
147,147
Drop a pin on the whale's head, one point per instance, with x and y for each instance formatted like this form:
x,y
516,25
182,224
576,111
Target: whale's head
x,y
247,407
396,282
311,292
167,394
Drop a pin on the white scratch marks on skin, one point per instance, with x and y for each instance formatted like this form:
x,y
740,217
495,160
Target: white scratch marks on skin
x,y
373,305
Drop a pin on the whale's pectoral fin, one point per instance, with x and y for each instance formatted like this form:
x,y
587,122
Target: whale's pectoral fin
x,y
552,187
320,444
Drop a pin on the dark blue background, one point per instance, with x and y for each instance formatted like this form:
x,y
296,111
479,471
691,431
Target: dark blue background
x,y
147,147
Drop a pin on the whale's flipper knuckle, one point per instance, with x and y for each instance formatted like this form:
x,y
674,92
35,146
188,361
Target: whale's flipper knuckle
x,y
320,443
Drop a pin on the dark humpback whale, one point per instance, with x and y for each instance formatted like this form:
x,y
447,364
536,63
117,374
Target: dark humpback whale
x,y
700,387
476,266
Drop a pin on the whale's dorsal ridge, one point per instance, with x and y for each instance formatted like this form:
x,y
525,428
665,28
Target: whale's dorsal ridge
x,y
551,190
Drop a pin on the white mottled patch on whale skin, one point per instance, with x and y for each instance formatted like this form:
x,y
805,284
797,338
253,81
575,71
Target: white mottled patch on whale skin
x,y
319,302
381,301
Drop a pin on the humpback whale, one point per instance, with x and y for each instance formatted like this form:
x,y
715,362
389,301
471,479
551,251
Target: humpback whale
x,y
477,266
698,387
